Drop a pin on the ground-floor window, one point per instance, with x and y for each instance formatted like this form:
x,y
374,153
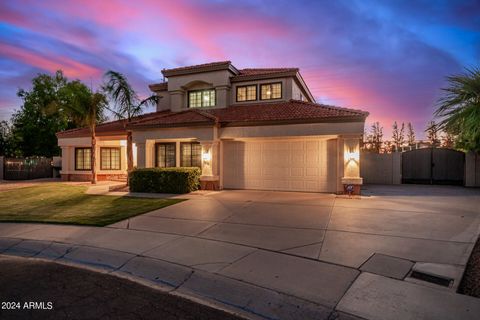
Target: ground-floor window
x,y
165,155
191,154
83,158
110,158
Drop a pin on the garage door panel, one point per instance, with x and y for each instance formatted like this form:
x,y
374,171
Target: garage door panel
x,y
299,165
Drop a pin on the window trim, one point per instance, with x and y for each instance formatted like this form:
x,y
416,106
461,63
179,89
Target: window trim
x,y
119,158
272,83
156,154
190,143
75,155
246,92
201,99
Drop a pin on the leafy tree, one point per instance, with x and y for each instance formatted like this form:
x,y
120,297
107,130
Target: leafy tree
x,y
87,109
127,104
375,139
398,135
6,140
448,140
459,109
432,134
410,134
43,114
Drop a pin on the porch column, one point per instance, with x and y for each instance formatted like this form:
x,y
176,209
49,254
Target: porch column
x,y
210,168
68,157
140,154
351,179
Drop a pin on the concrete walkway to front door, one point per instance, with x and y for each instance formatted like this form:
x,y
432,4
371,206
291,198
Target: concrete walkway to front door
x,y
285,255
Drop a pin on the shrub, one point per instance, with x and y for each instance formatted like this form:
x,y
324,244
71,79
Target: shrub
x,y
165,180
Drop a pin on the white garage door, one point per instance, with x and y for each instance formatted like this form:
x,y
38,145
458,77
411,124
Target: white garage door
x,y
289,165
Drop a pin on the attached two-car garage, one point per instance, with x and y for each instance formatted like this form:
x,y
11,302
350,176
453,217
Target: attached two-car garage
x,y
308,165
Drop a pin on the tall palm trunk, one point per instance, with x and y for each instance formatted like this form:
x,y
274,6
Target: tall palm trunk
x,y
94,156
129,155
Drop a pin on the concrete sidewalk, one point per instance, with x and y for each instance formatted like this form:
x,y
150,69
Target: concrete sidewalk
x,y
277,255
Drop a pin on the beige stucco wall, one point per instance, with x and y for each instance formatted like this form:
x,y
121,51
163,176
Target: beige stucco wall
x,y
163,101
199,133
176,98
68,154
178,86
309,129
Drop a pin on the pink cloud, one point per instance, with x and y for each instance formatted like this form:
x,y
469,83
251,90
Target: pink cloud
x,y
51,63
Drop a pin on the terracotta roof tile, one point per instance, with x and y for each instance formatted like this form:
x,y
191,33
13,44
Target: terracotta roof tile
x,y
293,111
262,71
172,119
284,112
197,67
106,129
162,86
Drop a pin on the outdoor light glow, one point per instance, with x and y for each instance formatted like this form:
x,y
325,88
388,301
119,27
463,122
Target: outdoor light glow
x,y
352,156
206,156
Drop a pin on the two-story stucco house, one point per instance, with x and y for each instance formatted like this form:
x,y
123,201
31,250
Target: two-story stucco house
x,y
246,129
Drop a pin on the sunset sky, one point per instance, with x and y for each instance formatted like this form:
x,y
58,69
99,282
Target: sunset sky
x,y
386,57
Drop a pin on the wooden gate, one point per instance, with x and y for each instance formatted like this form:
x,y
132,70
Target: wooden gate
x,y
433,166
27,168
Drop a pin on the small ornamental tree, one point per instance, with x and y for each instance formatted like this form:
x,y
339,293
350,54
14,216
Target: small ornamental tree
x,y
410,134
398,135
432,134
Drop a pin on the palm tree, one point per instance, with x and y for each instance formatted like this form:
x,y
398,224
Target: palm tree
x,y
459,109
127,104
87,109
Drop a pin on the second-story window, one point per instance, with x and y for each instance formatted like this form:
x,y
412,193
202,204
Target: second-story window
x,y
247,93
271,91
201,98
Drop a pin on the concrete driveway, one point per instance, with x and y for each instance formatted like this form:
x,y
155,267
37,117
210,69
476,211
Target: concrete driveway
x,y
343,256
418,223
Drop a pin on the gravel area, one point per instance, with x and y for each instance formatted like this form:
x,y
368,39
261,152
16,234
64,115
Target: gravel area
x,y
470,284
32,289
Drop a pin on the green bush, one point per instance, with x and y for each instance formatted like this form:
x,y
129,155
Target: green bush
x,y
165,180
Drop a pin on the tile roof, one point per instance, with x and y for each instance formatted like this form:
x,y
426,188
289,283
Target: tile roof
x,y
162,86
261,71
198,68
106,129
292,111
285,111
189,117
282,112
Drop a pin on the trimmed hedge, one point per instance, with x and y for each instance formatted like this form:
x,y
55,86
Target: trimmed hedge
x,y
165,180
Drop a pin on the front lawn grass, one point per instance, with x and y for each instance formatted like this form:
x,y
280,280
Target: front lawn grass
x,y
62,203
